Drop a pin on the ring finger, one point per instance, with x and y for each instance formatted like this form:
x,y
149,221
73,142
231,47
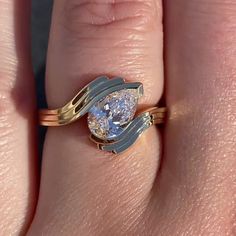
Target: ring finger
x,y
90,38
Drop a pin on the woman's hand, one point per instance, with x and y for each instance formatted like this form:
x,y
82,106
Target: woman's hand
x,y
188,187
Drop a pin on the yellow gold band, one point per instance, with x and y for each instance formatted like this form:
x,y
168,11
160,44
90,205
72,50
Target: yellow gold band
x,y
111,106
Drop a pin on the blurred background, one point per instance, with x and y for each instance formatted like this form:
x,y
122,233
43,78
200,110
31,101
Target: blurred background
x,y
41,17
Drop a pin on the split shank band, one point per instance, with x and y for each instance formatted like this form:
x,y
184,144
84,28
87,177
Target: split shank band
x,y
111,105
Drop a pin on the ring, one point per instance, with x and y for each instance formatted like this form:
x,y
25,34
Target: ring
x,y
111,105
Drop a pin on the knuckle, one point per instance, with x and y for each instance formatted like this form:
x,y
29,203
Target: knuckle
x,y
5,107
107,14
13,99
127,28
7,122
5,98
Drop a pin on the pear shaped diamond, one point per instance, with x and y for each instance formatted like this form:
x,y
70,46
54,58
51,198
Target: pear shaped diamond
x,y
108,117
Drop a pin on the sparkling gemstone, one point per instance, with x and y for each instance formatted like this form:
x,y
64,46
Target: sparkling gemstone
x,y
108,117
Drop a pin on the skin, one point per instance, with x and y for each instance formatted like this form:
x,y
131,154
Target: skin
x,y
181,181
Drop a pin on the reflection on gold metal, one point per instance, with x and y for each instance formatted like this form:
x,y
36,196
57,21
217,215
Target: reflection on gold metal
x,y
91,95
84,100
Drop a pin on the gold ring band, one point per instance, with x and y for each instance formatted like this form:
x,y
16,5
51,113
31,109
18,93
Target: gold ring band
x,y
85,99
151,116
111,105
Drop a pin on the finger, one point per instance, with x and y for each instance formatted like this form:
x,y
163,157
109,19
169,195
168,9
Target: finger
x,y
90,38
17,106
198,175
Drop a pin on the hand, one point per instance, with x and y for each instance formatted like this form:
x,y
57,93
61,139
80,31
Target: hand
x,y
188,187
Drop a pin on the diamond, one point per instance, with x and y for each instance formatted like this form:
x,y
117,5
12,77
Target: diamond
x,y
108,117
